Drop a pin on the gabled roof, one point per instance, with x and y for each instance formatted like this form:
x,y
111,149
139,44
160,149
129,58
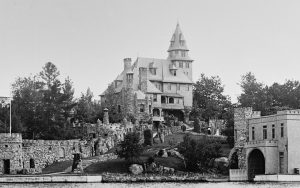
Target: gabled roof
x,y
151,88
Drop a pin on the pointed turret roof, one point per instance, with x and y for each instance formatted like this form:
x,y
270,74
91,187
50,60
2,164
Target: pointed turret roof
x,y
177,41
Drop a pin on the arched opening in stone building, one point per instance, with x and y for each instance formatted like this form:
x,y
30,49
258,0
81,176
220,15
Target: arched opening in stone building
x,y
234,161
156,112
6,166
61,153
256,163
31,163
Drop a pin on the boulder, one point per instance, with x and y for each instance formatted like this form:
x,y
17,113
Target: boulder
x,y
136,169
221,163
162,153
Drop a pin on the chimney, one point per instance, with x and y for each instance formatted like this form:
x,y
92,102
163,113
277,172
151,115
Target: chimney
x,y
127,63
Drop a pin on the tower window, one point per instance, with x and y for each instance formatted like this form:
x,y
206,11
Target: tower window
x,y
183,53
187,65
181,64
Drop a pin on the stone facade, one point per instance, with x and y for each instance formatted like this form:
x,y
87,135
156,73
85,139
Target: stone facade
x,y
155,87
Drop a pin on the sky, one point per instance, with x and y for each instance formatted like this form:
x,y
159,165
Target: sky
x,y
88,40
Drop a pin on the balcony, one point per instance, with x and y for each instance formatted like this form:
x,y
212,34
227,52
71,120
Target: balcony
x,y
172,106
157,118
261,143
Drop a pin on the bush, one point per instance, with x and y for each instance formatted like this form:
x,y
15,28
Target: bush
x,y
199,154
130,148
197,126
148,137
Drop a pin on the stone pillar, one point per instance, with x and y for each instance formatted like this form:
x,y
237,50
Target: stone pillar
x,y
105,117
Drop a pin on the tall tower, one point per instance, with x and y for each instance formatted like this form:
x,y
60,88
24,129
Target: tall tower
x,y
178,53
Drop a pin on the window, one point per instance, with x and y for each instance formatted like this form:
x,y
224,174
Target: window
x,y
169,86
171,100
153,71
31,163
178,86
180,64
264,132
119,109
178,100
163,99
142,107
273,131
154,97
187,65
281,130
253,133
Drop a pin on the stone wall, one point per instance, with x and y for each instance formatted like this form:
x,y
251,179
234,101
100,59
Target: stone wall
x,y
37,154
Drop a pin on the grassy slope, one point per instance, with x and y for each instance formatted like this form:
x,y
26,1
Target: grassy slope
x,y
57,167
120,166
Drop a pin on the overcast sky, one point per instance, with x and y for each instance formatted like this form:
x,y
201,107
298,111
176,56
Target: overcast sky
x,y
88,39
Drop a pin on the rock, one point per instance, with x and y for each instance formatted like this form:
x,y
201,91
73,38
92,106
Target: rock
x,y
151,167
175,153
221,163
162,153
136,169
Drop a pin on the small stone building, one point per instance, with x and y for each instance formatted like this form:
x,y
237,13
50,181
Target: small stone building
x,y
266,144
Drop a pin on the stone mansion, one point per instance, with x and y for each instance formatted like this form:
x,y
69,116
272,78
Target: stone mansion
x,y
156,87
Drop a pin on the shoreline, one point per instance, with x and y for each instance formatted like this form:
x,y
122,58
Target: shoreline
x,y
108,178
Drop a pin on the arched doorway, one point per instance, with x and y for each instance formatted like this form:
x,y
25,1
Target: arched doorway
x,y
256,163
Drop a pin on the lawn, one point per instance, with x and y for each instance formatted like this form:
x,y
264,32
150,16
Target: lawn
x,y
120,165
57,167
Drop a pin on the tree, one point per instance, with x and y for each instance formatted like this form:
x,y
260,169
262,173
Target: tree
x,y
130,148
42,103
197,126
208,98
88,110
198,154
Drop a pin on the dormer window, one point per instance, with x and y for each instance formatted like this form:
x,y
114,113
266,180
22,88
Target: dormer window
x,y
153,71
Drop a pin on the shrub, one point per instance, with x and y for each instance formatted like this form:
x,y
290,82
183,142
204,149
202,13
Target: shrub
x,y
199,154
197,126
148,137
130,148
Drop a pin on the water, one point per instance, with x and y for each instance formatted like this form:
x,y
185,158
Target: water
x,y
153,185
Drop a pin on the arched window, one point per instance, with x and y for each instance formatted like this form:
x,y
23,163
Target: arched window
x,y
171,100
31,163
61,153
